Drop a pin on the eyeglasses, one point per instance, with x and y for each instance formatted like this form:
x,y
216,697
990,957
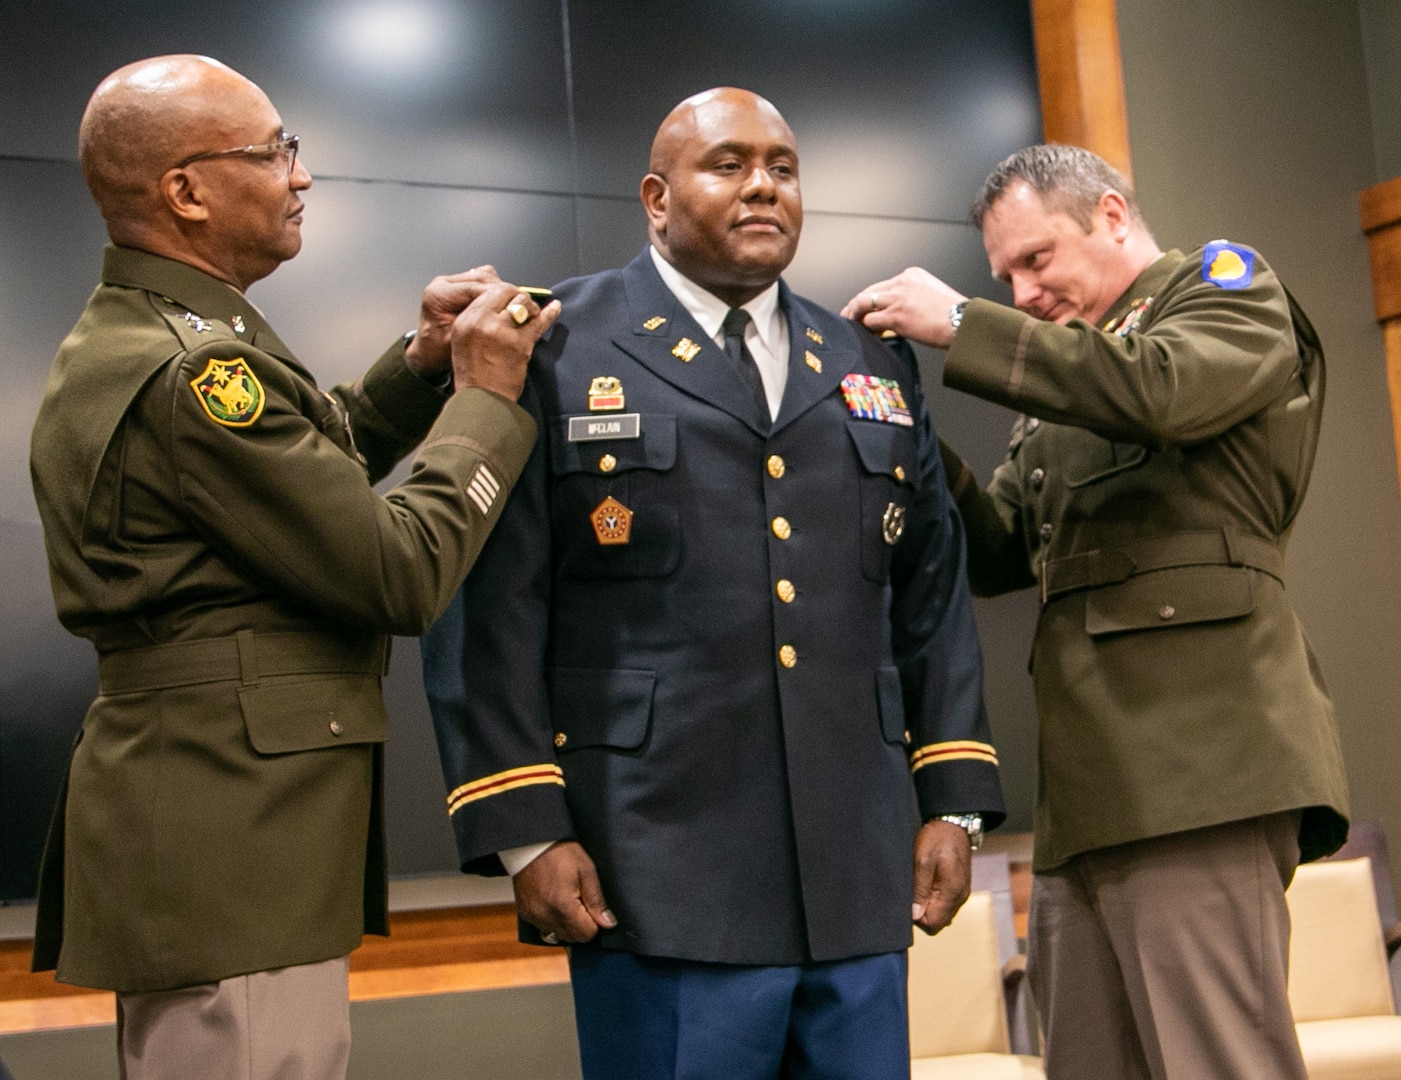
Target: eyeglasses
x,y
286,146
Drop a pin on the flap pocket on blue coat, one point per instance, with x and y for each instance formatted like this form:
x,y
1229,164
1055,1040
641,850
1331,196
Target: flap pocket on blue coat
x,y
600,706
885,449
654,448
1178,596
891,700
887,479
284,716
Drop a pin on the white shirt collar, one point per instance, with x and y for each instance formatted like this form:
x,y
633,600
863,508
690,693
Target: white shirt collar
x,y
709,310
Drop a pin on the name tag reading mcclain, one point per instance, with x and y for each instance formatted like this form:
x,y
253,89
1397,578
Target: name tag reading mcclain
x,y
588,428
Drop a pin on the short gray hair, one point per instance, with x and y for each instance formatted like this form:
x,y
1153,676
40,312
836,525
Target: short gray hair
x,y
1068,179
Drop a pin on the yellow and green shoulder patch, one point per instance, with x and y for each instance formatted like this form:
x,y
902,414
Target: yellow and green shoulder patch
x,y
229,392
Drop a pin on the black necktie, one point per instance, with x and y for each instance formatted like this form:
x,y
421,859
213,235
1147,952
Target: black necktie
x,y
738,352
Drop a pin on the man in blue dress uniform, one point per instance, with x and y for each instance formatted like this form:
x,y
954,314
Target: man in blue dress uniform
x,y
714,695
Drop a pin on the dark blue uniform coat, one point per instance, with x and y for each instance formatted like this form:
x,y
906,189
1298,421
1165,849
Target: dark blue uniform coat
x,y
738,764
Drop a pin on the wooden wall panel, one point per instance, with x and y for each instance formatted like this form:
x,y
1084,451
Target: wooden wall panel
x,y
1380,210
1082,77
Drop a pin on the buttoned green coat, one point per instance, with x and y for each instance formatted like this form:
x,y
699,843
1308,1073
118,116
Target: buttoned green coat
x,y
211,528
1149,492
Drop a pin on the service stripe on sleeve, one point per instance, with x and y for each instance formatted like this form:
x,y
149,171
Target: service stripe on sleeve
x,y
483,489
496,783
961,750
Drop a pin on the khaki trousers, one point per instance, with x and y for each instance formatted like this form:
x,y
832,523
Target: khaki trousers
x,y
288,1024
1167,959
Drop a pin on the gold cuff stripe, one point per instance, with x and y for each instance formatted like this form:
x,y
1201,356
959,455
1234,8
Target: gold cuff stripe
x,y
962,750
504,781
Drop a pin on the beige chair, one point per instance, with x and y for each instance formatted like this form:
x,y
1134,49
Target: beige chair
x,y
1339,984
958,1015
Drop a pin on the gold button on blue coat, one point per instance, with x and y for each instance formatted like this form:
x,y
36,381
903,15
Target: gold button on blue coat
x,y
781,528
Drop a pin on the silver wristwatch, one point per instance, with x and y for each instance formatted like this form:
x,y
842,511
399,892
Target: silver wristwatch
x,y
956,314
972,824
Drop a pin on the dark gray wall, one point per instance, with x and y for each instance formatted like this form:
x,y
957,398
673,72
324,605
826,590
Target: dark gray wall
x,y
1249,120
1381,46
447,133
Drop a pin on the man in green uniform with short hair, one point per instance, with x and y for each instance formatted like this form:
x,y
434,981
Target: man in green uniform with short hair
x,y
212,529
1189,756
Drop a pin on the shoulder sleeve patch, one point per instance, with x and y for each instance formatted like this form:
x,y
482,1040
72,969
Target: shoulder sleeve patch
x,y
229,392
1227,266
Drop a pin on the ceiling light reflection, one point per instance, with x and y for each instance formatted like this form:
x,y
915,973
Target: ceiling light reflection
x,y
399,41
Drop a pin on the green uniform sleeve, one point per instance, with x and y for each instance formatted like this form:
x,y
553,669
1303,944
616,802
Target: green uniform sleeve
x,y
388,409
997,559
275,492
1205,359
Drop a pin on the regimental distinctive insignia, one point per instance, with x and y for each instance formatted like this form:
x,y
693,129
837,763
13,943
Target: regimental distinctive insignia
x,y
230,392
654,322
237,323
199,325
612,522
685,350
1126,325
892,523
1227,265
813,335
870,398
605,394
811,360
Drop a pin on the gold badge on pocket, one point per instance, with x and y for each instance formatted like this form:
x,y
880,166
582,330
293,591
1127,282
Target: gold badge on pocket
x,y
606,394
612,522
892,523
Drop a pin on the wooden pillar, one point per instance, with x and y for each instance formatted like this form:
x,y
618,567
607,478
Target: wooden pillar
x,y
1380,208
1082,77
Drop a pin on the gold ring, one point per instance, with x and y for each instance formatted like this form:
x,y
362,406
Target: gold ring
x,y
520,314
875,301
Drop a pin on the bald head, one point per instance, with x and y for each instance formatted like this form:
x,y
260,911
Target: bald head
x,y
722,197
188,159
710,109
145,118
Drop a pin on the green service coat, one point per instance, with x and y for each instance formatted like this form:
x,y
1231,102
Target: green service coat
x,y
1149,492
211,528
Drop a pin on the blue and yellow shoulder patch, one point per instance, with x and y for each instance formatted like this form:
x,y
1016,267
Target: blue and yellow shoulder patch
x,y
229,392
1227,265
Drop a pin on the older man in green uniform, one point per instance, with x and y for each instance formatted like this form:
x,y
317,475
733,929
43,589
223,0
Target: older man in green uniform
x,y
211,528
1189,756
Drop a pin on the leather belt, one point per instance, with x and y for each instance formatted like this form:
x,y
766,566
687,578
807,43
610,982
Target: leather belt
x,y
1111,565
244,657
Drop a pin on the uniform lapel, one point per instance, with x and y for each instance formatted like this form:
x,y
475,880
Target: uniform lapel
x,y
660,334
196,291
1154,276
817,363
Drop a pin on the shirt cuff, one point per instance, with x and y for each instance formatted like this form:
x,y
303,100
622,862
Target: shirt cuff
x,y
517,859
